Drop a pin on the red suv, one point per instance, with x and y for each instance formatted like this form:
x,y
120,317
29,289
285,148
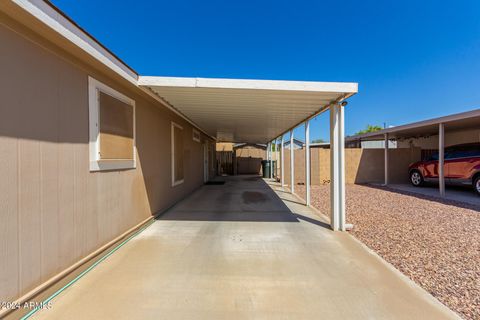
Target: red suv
x,y
462,167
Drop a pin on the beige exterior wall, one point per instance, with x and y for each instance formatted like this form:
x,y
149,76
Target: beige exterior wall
x,y
224,146
248,160
451,138
361,165
53,210
253,152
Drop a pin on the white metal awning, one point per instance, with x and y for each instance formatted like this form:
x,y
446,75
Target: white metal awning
x,y
455,122
252,111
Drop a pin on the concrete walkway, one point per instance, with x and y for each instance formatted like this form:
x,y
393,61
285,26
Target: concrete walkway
x,y
243,251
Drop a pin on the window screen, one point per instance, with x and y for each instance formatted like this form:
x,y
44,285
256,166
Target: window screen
x,y
177,153
115,128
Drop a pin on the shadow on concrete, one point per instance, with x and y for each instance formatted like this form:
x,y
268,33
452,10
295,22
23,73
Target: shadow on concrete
x,y
292,201
241,198
313,221
229,216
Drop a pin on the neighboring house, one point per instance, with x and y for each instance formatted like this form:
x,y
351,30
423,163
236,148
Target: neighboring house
x,y
323,145
357,144
251,145
421,139
407,143
459,128
297,144
392,144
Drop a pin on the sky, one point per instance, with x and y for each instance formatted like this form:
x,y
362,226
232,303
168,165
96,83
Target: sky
x,y
413,60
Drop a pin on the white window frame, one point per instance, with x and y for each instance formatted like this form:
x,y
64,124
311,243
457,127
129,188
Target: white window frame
x,y
97,164
175,182
194,133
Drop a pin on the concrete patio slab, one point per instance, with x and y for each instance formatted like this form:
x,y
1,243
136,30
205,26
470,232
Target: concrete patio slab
x,y
243,250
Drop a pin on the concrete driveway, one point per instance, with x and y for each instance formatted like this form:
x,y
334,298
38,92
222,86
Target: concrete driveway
x,y
243,250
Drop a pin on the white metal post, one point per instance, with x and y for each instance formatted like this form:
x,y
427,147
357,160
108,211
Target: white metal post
x,y
441,159
341,149
307,162
337,168
275,153
386,159
282,161
292,160
268,154
277,171
277,148
271,160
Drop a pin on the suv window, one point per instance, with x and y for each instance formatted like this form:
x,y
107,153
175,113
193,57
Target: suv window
x,y
433,156
463,152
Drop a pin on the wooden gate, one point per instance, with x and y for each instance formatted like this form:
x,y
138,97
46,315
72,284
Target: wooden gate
x,y
225,162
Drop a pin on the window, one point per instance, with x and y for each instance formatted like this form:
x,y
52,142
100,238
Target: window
x,y
112,128
195,135
177,154
465,151
434,156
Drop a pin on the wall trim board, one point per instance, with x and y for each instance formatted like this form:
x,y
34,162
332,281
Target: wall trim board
x,y
67,273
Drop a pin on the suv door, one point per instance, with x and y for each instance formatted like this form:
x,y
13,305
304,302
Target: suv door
x,y
451,162
461,163
430,167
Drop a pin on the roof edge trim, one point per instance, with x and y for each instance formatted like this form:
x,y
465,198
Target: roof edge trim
x,y
55,19
422,123
249,84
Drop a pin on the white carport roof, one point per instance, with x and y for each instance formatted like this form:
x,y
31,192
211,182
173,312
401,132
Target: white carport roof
x,y
253,111
454,122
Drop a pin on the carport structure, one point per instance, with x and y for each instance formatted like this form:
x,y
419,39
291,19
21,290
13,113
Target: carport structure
x,y
428,128
120,243
261,111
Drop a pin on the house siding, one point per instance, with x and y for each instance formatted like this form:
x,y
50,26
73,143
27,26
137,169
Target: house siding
x,y
451,139
53,210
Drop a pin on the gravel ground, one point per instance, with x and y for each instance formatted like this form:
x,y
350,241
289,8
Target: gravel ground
x,y
436,243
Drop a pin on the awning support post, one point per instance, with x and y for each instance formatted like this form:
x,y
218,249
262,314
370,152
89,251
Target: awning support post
x,y
282,161
337,167
441,159
271,161
307,162
386,159
292,166
267,151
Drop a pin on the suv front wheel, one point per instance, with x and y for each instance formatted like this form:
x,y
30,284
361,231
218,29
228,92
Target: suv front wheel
x,y
416,178
476,184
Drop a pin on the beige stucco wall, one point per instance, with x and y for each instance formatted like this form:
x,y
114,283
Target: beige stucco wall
x,y
248,160
53,210
451,138
361,165
224,146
